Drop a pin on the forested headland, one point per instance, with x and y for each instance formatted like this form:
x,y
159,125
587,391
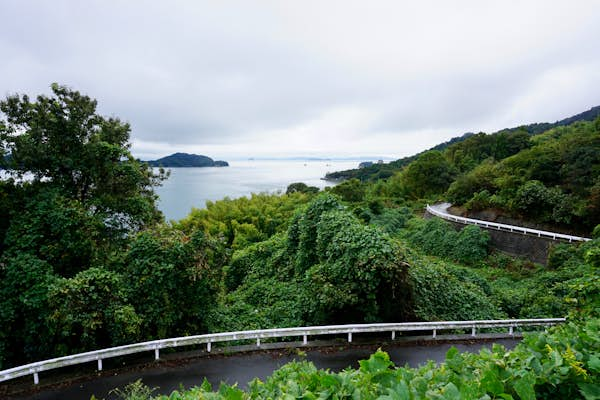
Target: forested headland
x,y
87,260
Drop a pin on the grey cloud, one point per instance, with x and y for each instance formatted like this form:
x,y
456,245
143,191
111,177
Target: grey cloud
x,y
219,73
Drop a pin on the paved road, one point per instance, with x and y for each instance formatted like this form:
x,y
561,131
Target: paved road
x,y
242,368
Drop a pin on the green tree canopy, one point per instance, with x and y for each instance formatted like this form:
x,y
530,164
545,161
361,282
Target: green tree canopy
x,y
430,174
61,142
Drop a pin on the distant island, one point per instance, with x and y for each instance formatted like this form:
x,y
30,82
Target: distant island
x,y
185,160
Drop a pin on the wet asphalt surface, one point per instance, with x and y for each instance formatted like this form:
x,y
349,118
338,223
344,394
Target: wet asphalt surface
x,y
242,368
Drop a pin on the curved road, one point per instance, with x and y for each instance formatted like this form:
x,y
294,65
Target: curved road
x,y
441,210
242,368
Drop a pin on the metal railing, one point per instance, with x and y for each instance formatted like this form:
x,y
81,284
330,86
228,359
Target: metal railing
x,y
502,227
304,332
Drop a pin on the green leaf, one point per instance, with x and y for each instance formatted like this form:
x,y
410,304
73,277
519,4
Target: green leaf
x,y
206,386
594,363
525,387
505,396
589,391
451,392
399,391
491,384
230,392
378,362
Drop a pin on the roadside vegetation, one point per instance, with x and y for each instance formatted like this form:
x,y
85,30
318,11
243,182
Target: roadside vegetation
x,y
87,260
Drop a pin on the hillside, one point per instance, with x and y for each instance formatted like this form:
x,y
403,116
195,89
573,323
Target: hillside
x,y
180,160
383,171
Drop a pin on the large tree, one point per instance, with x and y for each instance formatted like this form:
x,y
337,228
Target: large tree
x,y
60,142
71,197
428,175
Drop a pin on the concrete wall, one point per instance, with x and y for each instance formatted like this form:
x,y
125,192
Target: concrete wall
x,y
530,247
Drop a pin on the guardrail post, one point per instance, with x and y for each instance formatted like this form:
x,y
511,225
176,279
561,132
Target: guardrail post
x,y
208,346
34,369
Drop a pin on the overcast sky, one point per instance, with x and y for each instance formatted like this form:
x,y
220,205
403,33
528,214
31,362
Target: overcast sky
x,y
235,79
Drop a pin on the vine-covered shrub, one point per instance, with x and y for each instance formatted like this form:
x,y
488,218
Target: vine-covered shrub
x,y
392,220
437,237
302,234
445,294
360,273
331,267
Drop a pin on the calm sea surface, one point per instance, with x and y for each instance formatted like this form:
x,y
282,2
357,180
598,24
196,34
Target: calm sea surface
x,y
192,187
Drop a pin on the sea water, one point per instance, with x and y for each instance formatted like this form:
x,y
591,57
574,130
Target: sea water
x,y
193,187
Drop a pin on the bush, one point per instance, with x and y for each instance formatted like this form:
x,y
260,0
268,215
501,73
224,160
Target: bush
x,y
392,220
471,246
439,294
437,237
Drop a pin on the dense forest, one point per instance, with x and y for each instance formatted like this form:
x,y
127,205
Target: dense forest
x,y
87,261
383,171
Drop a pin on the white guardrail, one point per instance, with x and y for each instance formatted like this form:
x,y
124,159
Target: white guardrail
x,y
434,210
304,332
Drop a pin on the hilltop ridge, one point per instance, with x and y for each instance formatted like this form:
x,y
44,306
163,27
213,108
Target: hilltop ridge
x,y
185,160
383,171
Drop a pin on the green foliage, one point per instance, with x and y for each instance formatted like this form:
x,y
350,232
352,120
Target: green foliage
x,y
569,285
90,310
468,153
358,272
328,268
392,220
437,237
74,197
133,391
244,221
544,204
259,304
172,281
555,180
65,145
480,201
301,187
561,255
302,233
24,284
57,230
429,174
352,190
260,260
441,293
471,246
481,178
